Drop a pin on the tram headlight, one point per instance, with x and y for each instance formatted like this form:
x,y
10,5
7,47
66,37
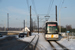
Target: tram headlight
x,y
48,36
45,35
56,36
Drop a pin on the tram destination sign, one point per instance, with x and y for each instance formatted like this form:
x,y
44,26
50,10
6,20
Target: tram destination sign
x,y
51,24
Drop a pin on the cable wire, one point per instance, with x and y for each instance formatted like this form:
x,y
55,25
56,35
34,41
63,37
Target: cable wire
x,y
49,6
49,9
34,7
61,4
28,5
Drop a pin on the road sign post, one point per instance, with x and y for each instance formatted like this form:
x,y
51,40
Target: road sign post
x,y
68,35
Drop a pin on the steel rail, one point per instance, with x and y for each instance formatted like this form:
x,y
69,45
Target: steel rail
x,y
52,45
29,43
36,43
63,47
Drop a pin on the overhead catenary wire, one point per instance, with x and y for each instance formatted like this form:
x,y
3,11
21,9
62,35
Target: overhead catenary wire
x,y
28,5
61,3
50,6
36,14
49,9
34,7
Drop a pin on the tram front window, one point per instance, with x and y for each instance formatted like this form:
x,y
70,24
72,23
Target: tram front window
x,y
51,28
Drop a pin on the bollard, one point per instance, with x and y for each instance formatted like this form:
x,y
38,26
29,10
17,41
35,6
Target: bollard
x,y
68,36
27,34
72,35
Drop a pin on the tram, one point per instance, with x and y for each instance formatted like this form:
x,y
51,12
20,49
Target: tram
x,y
52,31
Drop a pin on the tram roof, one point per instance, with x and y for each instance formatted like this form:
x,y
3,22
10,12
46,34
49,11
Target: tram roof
x,y
51,21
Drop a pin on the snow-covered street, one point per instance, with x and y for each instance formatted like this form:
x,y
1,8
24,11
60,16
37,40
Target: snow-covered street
x,y
44,45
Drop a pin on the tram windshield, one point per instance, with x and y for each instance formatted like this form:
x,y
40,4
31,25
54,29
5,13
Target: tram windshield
x,y
52,28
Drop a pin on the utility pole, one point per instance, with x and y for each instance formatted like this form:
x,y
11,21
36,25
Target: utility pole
x,y
30,21
7,21
24,26
38,23
56,12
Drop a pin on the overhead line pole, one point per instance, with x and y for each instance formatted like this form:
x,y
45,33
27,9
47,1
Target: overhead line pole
x,y
56,12
24,26
7,21
38,23
30,20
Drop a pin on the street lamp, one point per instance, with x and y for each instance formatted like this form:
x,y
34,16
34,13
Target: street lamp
x,y
60,19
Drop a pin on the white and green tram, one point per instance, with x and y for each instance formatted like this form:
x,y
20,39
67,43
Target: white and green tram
x,y
52,31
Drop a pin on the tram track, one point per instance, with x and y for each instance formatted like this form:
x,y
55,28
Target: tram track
x,y
63,47
28,45
54,47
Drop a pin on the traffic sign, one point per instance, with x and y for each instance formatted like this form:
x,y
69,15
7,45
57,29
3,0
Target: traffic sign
x,y
68,31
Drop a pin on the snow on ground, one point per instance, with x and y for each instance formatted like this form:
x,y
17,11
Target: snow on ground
x,y
42,43
69,44
34,41
34,33
56,45
4,36
26,39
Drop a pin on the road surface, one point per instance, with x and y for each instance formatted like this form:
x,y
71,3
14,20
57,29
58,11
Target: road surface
x,y
12,43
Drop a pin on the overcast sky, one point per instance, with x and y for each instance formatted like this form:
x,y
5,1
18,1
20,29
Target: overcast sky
x,y
19,10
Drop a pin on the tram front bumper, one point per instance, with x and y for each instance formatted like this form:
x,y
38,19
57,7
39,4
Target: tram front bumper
x,y
51,38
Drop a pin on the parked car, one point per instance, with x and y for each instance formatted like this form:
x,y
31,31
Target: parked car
x,y
21,35
0,35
